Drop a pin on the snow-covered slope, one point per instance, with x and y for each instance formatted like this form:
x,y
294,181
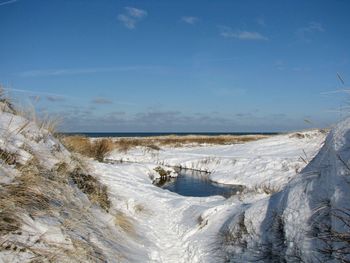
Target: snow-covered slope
x,y
268,162
309,221
47,210
48,213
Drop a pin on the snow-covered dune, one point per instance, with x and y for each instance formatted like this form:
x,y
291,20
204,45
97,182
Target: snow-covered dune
x,y
54,206
268,162
47,208
308,221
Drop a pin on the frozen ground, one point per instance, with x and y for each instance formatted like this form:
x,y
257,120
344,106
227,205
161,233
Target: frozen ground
x,y
148,224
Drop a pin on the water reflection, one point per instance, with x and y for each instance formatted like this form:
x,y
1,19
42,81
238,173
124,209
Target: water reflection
x,y
195,183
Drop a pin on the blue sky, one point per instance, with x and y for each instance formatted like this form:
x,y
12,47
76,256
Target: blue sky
x,y
178,65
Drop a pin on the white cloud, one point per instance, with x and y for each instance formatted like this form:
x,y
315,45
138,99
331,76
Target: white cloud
x,y
190,19
127,21
8,2
227,32
132,16
135,12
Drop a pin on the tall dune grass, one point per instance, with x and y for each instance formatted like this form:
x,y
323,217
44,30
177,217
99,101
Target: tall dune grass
x,y
98,148
95,149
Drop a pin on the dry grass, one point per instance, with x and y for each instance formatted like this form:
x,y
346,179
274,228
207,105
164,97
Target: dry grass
x,y
41,193
5,102
44,121
89,185
7,157
141,209
201,222
9,221
26,195
157,142
37,193
162,172
331,226
96,149
124,222
266,188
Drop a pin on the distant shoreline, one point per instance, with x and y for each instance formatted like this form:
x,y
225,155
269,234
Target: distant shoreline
x,y
157,134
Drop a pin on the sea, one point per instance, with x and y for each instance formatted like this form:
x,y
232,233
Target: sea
x,y
154,134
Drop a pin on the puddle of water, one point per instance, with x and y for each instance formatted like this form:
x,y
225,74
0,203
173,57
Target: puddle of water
x,y
195,183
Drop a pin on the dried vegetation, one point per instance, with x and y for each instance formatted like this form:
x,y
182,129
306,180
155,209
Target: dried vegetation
x,y
98,148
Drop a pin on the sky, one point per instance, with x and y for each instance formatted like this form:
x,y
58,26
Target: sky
x,y
178,66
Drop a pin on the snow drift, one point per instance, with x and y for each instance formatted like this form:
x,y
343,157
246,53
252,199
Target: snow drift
x,y
308,221
58,206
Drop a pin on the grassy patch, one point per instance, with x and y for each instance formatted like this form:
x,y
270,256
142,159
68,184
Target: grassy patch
x,y
89,185
8,157
124,222
25,195
96,149
266,188
162,172
9,221
155,143
5,102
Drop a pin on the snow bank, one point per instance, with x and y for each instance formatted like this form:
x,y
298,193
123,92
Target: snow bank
x,y
304,221
268,162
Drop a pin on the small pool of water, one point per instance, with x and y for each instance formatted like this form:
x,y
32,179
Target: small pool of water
x,y
195,183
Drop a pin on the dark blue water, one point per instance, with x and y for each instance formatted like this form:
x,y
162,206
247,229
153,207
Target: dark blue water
x,y
152,134
194,183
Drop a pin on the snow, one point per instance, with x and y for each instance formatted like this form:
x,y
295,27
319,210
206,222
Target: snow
x,y
25,139
273,161
161,226
167,218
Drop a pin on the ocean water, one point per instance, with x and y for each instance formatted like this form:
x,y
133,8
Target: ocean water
x,y
153,134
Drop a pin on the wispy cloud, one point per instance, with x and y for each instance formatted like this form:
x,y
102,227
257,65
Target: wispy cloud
x,y
132,16
190,19
78,71
8,2
135,12
305,33
228,32
101,100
